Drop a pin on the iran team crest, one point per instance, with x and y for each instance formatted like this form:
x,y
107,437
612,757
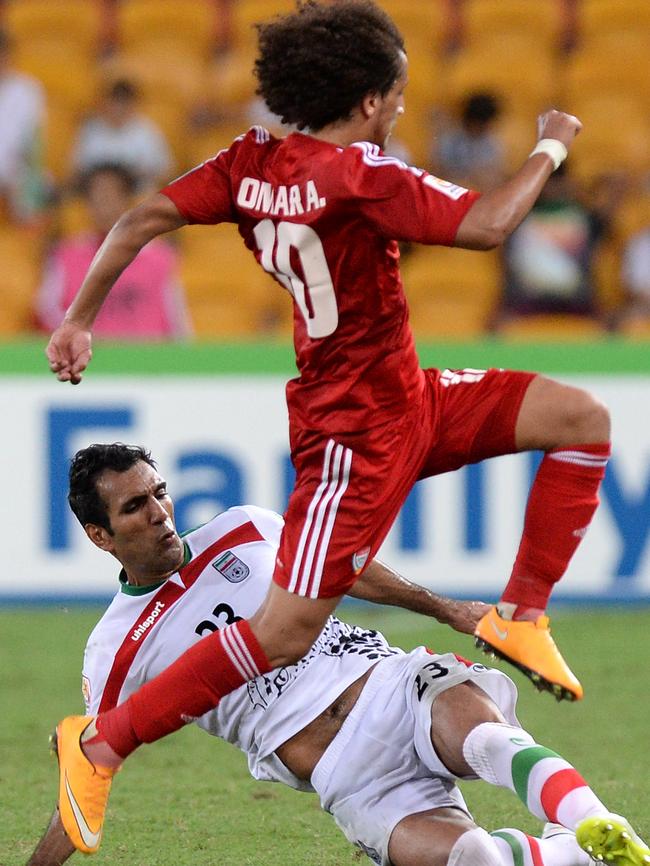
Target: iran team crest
x,y
231,566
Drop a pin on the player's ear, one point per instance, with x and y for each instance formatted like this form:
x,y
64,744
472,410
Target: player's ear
x,y
369,105
99,536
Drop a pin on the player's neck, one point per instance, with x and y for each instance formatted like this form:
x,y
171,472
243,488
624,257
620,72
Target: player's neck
x,y
345,133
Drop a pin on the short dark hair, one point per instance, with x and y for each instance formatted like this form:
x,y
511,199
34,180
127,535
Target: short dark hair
x,y
85,468
119,171
316,64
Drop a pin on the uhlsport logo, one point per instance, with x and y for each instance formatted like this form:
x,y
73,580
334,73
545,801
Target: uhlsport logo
x,y
141,628
231,566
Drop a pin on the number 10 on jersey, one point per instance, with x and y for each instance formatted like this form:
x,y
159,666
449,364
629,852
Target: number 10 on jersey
x,y
315,296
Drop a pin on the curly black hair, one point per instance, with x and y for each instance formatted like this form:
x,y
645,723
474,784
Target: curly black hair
x,y
317,63
85,468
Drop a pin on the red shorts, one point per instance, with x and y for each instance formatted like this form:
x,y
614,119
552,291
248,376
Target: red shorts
x,y
350,489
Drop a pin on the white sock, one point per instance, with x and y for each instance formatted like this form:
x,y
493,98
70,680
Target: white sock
x,y
520,849
547,785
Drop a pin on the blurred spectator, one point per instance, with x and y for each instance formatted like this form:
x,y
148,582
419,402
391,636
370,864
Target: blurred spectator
x,y
147,302
548,259
118,133
470,153
636,278
22,115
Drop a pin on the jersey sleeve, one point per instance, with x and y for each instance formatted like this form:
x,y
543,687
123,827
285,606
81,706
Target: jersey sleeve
x,y
405,203
268,523
204,194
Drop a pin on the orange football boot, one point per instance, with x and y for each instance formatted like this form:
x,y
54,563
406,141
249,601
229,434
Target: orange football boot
x,y
83,787
528,646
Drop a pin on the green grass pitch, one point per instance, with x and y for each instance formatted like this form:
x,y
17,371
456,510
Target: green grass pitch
x,y
188,800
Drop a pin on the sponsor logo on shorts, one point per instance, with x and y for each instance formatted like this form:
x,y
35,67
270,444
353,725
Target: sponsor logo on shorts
x,y
359,559
231,566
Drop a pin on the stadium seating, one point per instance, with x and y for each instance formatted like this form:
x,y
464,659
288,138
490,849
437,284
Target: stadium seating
x,y
188,26
451,292
539,20
60,131
615,17
423,25
526,81
69,78
616,133
73,25
247,13
611,64
163,72
20,255
551,327
209,142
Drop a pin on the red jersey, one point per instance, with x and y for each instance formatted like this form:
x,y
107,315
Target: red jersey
x,y
324,221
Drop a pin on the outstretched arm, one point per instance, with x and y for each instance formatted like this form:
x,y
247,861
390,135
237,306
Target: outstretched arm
x,y
382,585
55,847
497,213
69,350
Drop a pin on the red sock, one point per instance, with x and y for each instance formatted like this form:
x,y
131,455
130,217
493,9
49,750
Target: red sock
x,y
560,506
192,685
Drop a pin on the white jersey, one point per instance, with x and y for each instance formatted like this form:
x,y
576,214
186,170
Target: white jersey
x,y
227,571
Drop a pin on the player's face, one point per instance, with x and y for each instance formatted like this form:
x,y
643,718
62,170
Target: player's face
x,y
390,107
141,515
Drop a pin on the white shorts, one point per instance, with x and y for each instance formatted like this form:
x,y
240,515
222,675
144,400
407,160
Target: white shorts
x,y
381,766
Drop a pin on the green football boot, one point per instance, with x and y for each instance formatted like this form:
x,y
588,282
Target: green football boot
x,y
610,839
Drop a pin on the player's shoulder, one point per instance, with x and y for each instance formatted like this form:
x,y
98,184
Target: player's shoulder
x,y
366,169
241,524
251,141
372,156
109,629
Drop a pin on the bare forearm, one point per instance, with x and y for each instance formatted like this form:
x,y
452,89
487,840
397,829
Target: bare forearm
x,y
381,585
55,847
498,212
494,216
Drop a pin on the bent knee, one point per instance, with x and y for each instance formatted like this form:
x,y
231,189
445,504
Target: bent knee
x,y
294,649
554,415
455,713
286,646
475,847
587,419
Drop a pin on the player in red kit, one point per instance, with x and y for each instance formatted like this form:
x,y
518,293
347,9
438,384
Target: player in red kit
x,y
322,212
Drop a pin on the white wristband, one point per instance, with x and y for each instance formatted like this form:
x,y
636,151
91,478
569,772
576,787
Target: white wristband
x,y
553,148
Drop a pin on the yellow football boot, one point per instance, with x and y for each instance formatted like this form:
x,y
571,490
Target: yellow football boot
x,y
528,646
83,787
610,839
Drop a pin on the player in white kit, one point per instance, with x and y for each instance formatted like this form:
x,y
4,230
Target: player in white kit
x,y
381,735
